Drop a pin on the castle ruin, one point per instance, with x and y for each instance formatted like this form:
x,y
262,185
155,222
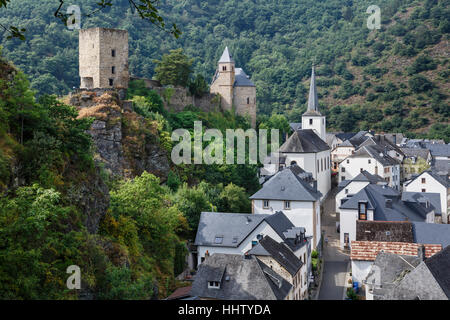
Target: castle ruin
x,y
103,58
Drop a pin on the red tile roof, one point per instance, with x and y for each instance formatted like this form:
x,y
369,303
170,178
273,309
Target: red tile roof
x,y
368,250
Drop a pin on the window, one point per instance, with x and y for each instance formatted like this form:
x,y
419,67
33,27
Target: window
x,y
218,240
343,169
321,164
346,191
248,100
346,238
361,169
362,210
111,82
287,205
310,121
113,53
423,180
424,190
348,161
224,68
254,243
113,70
386,170
369,161
266,204
213,284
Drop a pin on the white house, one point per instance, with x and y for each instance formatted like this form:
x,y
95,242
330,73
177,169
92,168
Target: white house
x,y
373,159
307,148
350,187
292,191
380,203
237,233
430,181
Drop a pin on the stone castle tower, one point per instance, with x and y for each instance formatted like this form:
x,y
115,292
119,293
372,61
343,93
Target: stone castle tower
x,y
103,55
312,118
235,88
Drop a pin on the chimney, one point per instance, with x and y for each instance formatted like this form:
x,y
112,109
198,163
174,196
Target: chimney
x,y
421,252
389,203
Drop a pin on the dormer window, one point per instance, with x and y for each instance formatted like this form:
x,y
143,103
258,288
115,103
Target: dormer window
x,y
287,205
213,285
266,204
218,240
362,210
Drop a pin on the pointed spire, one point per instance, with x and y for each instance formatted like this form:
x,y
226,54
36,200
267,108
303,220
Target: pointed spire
x,y
313,101
226,57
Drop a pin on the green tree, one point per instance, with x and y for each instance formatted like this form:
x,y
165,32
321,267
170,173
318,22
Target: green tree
x,y
234,199
174,68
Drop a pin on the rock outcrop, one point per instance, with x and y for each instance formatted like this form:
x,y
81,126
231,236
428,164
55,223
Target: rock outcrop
x,y
126,143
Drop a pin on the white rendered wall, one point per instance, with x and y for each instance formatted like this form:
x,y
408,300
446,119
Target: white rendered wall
x,y
263,229
433,186
348,218
353,188
360,270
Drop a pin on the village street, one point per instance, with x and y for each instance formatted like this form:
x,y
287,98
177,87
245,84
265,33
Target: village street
x,y
336,262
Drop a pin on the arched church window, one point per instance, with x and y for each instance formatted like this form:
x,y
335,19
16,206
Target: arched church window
x,y
224,68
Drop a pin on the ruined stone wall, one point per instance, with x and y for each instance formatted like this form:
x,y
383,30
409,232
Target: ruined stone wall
x,y
244,106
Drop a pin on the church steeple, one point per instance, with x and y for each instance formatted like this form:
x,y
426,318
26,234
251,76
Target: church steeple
x,y
313,101
312,118
226,57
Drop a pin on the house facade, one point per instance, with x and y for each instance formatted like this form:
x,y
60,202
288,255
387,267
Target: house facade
x,y
374,160
432,182
297,197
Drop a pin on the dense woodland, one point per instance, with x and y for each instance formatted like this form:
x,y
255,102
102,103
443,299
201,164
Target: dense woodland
x,y
392,79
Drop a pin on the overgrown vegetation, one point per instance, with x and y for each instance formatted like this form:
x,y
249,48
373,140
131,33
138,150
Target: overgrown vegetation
x,y
276,43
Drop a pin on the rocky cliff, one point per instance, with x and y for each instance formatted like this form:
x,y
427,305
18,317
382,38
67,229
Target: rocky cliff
x,y
126,144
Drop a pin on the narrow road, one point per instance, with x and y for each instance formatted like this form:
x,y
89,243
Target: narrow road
x,y
336,262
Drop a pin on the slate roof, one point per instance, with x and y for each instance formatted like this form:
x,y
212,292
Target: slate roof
x,y
416,153
241,79
235,227
345,135
295,126
313,101
287,185
244,279
376,197
442,167
431,233
395,138
368,250
280,253
346,143
434,199
439,266
358,138
366,176
438,149
376,152
304,141
382,142
388,270
226,57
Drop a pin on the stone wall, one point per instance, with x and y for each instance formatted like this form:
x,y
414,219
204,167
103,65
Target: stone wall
x,y
103,56
245,102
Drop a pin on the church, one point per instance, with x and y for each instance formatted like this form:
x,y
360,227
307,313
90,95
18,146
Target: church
x,y
306,147
236,90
